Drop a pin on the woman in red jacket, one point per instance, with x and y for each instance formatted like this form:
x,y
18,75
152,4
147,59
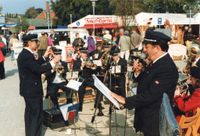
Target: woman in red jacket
x,y
2,58
189,103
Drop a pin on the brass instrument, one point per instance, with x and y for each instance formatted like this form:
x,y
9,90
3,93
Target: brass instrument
x,y
89,64
59,68
105,58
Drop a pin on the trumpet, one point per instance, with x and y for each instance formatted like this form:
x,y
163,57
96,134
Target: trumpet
x,y
59,68
91,65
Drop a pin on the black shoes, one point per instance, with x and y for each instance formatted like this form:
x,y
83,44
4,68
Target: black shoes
x,y
100,113
2,77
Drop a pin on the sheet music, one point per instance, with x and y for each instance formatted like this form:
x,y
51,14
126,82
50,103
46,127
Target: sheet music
x,y
73,84
104,90
116,69
129,68
72,75
97,62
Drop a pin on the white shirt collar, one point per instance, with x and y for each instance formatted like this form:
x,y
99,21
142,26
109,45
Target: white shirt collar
x,y
29,50
160,57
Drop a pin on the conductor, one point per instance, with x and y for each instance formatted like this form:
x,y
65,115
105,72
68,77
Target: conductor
x,y
159,76
30,70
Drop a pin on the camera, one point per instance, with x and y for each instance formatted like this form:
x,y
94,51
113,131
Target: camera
x,y
56,51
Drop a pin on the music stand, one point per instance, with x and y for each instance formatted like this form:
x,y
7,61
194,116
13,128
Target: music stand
x,y
107,93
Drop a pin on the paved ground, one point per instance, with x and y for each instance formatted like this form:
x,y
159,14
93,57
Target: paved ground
x,y
12,113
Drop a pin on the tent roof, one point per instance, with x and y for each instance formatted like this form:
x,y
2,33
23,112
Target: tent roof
x,y
143,18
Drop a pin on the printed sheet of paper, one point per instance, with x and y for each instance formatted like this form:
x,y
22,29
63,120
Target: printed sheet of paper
x,y
104,90
72,75
73,84
97,62
116,69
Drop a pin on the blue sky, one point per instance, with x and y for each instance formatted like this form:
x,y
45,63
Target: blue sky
x,y
20,6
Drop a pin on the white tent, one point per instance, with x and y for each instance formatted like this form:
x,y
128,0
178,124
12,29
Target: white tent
x,y
143,18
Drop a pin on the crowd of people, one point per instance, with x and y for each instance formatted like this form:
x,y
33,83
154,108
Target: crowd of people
x,y
153,70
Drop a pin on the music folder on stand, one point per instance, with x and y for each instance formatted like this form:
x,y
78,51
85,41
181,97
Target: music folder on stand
x,y
107,93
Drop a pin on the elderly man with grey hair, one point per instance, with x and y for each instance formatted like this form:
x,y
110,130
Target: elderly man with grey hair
x,y
124,44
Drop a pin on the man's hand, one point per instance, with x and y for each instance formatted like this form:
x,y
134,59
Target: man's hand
x,y
56,58
48,52
119,98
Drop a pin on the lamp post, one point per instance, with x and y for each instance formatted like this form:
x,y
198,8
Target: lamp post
x,y
70,15
93,9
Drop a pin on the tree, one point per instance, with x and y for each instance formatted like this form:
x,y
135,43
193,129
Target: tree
x,y
1,8
78,9
127,9
172,6
32,12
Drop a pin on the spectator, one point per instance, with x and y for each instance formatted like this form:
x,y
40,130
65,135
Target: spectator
x,y
43,44
2,59
124,44
91,43
12,43
78,42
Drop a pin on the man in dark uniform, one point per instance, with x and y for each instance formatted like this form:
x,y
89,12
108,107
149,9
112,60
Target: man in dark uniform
x,y
118,69
86,69
96,55
56,79
159,76
30,70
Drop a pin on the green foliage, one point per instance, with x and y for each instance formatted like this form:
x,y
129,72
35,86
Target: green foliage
x,y
78,9
81,8
1,8
32,12
172,6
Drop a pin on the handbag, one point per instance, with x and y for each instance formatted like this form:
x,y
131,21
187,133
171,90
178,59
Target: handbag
x,y
168,125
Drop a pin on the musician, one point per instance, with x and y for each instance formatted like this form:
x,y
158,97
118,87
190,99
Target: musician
x,y
118,69
159,76
30,70
86,68
56,79
186,102
97,55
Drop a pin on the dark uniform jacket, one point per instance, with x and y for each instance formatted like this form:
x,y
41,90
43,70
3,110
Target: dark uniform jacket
x,y
119,79
30,71
161,77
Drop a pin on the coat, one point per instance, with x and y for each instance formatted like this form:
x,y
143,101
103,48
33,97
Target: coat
x,y
91,44
161,77
119,79
2,58
189,105
30,71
